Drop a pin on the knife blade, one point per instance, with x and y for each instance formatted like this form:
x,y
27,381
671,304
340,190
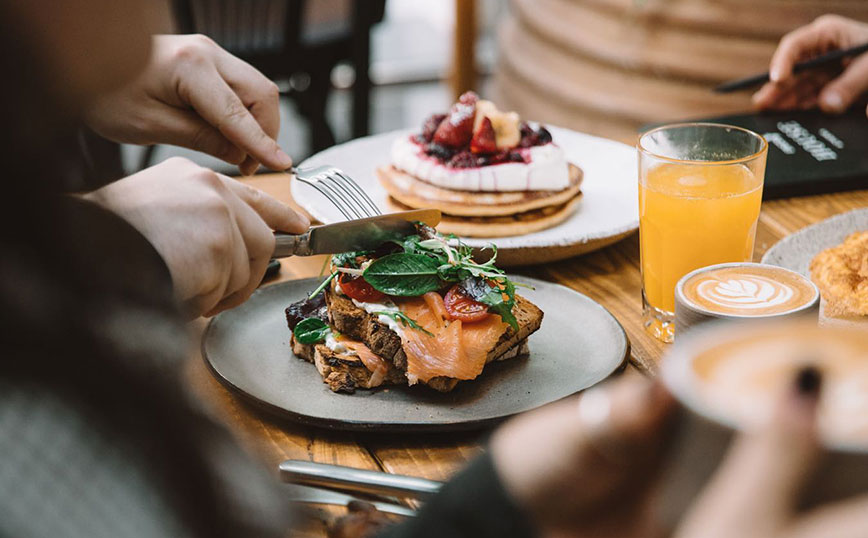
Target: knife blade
x,y
312,495
353,235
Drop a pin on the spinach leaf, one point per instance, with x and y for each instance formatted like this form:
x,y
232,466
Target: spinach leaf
x,y
311,331
499,298
403,274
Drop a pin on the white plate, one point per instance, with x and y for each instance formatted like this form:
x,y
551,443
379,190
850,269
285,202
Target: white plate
x,y
796,251
608,210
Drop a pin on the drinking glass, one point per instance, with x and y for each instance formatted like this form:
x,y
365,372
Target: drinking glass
x,y
700,190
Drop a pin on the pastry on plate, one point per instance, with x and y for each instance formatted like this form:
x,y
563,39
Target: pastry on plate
x,y
491,174
841,273
419,312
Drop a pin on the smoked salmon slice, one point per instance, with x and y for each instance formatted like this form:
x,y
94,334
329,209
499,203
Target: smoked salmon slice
x,y
374,363
456,350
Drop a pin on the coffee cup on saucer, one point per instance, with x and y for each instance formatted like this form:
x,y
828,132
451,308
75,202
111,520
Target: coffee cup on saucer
x,y
742,291
728,376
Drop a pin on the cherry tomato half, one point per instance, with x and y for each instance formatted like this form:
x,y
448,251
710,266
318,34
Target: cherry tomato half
x,y
461,306
358,288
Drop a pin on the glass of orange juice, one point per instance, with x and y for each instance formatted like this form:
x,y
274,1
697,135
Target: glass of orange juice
x,y
700,190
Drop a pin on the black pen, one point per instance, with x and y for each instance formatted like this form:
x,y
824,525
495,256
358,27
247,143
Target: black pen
x,y
820,60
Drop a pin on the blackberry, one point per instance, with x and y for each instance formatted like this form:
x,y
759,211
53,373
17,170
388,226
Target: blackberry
x,y
525,130
465,159
439,152
430,126
543,136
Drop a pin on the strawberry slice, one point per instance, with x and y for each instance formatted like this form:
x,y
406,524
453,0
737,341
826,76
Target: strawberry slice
x,y
457,129
484,140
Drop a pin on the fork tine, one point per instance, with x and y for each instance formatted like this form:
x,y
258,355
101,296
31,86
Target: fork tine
x,y
336,183
360,191
324,180
315,185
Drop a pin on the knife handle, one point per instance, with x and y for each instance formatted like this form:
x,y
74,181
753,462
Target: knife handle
x,y
357,480
286,245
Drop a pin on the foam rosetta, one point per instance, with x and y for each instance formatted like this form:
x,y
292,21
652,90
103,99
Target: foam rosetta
x,y
748,290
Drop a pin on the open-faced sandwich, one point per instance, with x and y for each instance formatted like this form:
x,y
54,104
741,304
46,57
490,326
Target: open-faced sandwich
x,y
419,311
491,174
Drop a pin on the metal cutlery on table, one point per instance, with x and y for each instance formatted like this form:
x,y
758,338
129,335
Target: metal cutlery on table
x,y
311,495
349,479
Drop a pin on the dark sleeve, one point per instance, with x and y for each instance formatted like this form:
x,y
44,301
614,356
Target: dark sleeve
x,y
473,504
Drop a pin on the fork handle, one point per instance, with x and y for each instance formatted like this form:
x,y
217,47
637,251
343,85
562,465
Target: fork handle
x,y
286,245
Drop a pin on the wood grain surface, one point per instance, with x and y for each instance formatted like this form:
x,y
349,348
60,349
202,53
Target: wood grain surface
x,y
610,276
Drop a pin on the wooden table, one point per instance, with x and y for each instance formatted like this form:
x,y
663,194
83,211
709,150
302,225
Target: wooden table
x,y
610,276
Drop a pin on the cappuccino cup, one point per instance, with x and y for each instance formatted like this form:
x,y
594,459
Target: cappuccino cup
x,y
742,291
728,378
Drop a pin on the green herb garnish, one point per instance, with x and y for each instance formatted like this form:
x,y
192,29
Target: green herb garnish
x,y
311,331
322,286
430,264
402,274
404,320
499,295
349,259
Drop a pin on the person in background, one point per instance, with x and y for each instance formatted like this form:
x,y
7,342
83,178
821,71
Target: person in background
x,y
833,92
98,436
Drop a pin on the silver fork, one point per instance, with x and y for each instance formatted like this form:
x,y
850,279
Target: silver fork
x,y
340,189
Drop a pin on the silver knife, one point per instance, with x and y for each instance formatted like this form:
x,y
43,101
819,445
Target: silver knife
x,y
311,495
352,235
356,480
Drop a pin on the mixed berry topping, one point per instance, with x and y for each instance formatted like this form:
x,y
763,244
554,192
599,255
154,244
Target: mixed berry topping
x,y
475,133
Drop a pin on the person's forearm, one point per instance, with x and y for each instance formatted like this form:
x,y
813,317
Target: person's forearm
x,y
473,504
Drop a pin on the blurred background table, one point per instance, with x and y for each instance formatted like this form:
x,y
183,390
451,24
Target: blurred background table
x,y
609,276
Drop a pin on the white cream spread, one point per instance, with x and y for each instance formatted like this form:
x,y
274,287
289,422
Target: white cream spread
x,y
546,169
370,308
332,343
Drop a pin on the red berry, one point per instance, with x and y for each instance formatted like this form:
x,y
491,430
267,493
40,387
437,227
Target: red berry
x,y
441,153
465,159
430,126
456,130
483,139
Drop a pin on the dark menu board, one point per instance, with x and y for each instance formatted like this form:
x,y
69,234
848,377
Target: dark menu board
x,y
810,152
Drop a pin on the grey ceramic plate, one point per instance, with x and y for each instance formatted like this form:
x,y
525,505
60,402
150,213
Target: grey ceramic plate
x,y
580,344
796,251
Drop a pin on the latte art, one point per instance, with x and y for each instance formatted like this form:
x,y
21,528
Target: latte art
x,y
746,292
746,289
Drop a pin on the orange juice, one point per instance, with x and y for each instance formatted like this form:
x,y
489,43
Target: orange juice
x,y
692,216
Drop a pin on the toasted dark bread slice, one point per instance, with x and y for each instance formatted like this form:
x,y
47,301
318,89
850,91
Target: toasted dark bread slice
x,y
344,372
355,323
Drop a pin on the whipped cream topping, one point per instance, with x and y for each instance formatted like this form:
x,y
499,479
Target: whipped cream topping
x,y
546,169
748,292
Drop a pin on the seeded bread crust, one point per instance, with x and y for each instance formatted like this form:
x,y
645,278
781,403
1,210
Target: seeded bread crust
x,y
343,372
354,322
